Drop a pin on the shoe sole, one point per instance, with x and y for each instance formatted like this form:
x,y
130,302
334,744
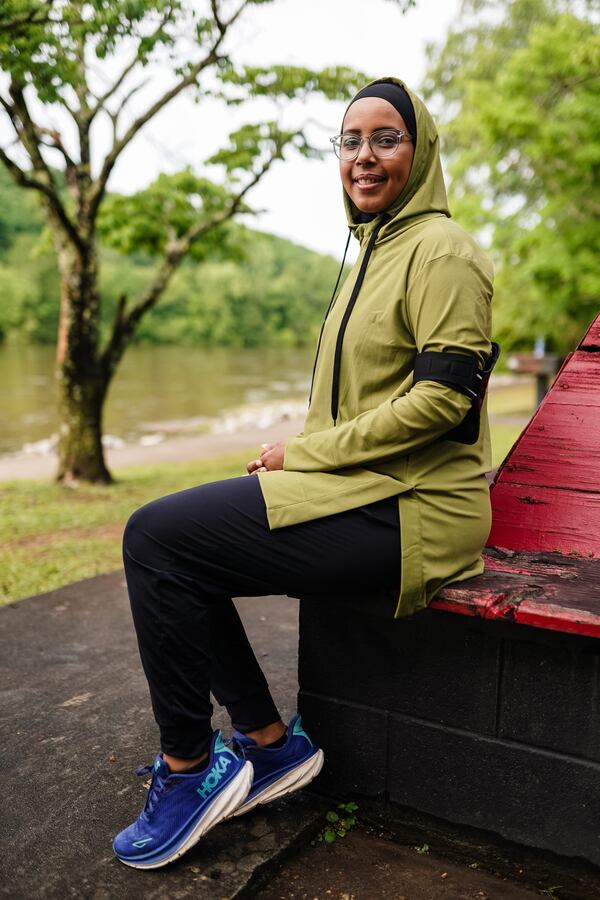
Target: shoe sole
x,y
222,808
292,781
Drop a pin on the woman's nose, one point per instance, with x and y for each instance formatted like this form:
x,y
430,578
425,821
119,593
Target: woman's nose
x,y
365,151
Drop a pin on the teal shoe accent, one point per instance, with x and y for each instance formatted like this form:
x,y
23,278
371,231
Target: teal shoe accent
x,y
221,747
299,730
278,771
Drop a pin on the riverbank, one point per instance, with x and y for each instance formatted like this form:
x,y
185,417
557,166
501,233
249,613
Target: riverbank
x,y
511,403
183,448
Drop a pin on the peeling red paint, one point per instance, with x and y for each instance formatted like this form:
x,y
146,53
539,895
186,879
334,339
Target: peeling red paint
x,y
543,557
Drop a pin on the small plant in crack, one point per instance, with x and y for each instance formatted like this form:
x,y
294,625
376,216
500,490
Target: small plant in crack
x,y
338,822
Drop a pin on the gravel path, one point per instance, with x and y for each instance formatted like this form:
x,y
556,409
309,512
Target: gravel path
x,y
176,449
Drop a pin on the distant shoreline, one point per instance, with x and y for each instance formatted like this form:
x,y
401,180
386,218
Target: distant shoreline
x,y
245,434
171,450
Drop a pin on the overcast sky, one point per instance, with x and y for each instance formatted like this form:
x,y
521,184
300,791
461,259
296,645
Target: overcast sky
x,y
301,198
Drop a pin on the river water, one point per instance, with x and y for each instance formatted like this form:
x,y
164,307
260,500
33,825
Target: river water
x,y
157,392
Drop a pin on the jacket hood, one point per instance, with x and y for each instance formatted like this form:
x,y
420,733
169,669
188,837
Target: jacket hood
x,y
424,194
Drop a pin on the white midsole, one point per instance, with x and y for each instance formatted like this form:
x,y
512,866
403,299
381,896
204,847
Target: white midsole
x,y
227,801
291,781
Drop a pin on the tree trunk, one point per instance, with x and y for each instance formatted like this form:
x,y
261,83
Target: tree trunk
x,y
83,383
80,451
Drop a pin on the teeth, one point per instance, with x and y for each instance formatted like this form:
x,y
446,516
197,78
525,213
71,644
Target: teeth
x,y
366,179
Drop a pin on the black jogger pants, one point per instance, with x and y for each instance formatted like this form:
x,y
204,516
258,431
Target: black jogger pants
x,y
187,554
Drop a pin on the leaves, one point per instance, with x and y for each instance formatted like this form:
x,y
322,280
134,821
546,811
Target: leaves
x,y
163,213
292,82
341,822
53,53
521,129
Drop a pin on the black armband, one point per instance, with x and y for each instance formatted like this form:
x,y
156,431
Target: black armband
x,y
461,372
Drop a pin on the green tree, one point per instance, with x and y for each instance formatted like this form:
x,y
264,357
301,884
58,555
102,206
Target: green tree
x,y
518,86
53,53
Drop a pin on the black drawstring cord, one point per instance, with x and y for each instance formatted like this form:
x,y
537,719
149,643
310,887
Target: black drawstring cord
x,y
312,380
335,386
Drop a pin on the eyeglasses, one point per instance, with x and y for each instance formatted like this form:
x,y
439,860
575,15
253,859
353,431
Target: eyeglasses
x,y
383,142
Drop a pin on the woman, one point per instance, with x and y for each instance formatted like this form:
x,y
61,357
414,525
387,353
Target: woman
x,y
385,487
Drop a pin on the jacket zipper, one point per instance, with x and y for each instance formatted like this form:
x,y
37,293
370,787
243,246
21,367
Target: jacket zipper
x,y
337,359
331,302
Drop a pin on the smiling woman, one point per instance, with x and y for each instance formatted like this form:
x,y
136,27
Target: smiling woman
x,y
384,489
375,150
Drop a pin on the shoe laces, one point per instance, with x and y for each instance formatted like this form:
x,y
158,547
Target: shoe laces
x,y
238,748
156,789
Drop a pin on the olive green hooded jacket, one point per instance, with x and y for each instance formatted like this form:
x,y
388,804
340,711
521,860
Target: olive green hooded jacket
x,y
427,287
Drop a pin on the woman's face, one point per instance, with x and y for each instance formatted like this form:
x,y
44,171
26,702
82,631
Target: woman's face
x,y
373,183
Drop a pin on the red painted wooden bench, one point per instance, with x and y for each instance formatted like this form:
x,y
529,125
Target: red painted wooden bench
x,y
543,555
481,713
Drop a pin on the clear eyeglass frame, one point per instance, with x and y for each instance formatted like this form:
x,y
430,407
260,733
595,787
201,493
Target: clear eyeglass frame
x,y
378,150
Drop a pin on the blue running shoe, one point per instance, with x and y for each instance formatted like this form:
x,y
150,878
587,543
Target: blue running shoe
x,y
279,770
180,809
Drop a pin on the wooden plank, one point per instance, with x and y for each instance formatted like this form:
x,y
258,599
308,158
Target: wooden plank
x,y
543,555
545,590
554,616
577,382
546,495
561,448
527,517
591,340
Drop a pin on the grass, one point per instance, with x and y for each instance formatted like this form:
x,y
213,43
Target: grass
x,y
52,535
503,437
512,400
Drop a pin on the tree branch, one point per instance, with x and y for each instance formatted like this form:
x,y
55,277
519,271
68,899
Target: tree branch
x,y
214,5
55,143
119,145
125,323
19,23
21,177
138,87
28,133
101,100
10,112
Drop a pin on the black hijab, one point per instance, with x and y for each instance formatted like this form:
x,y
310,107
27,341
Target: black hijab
x,y
394,94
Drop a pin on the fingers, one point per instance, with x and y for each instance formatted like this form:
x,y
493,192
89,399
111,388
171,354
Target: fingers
x,y
257,465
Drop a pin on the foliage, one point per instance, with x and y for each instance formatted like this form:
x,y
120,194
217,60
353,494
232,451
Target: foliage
x,y
339,822
239,287
163,212
70,67
19,213
520,98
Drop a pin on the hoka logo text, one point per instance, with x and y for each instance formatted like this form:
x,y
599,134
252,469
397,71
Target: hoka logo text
x,y
214,776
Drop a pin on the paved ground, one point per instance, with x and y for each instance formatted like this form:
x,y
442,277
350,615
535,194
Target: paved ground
x,y
370,865
76,722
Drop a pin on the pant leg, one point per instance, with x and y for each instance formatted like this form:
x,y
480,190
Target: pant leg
x,y
188,553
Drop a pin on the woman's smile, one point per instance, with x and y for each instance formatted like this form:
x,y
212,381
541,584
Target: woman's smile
x,y
369,182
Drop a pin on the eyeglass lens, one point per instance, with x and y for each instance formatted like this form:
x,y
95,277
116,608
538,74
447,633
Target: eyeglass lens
x,y
382,143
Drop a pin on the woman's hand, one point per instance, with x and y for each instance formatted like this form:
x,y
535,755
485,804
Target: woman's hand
x,y
271,457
